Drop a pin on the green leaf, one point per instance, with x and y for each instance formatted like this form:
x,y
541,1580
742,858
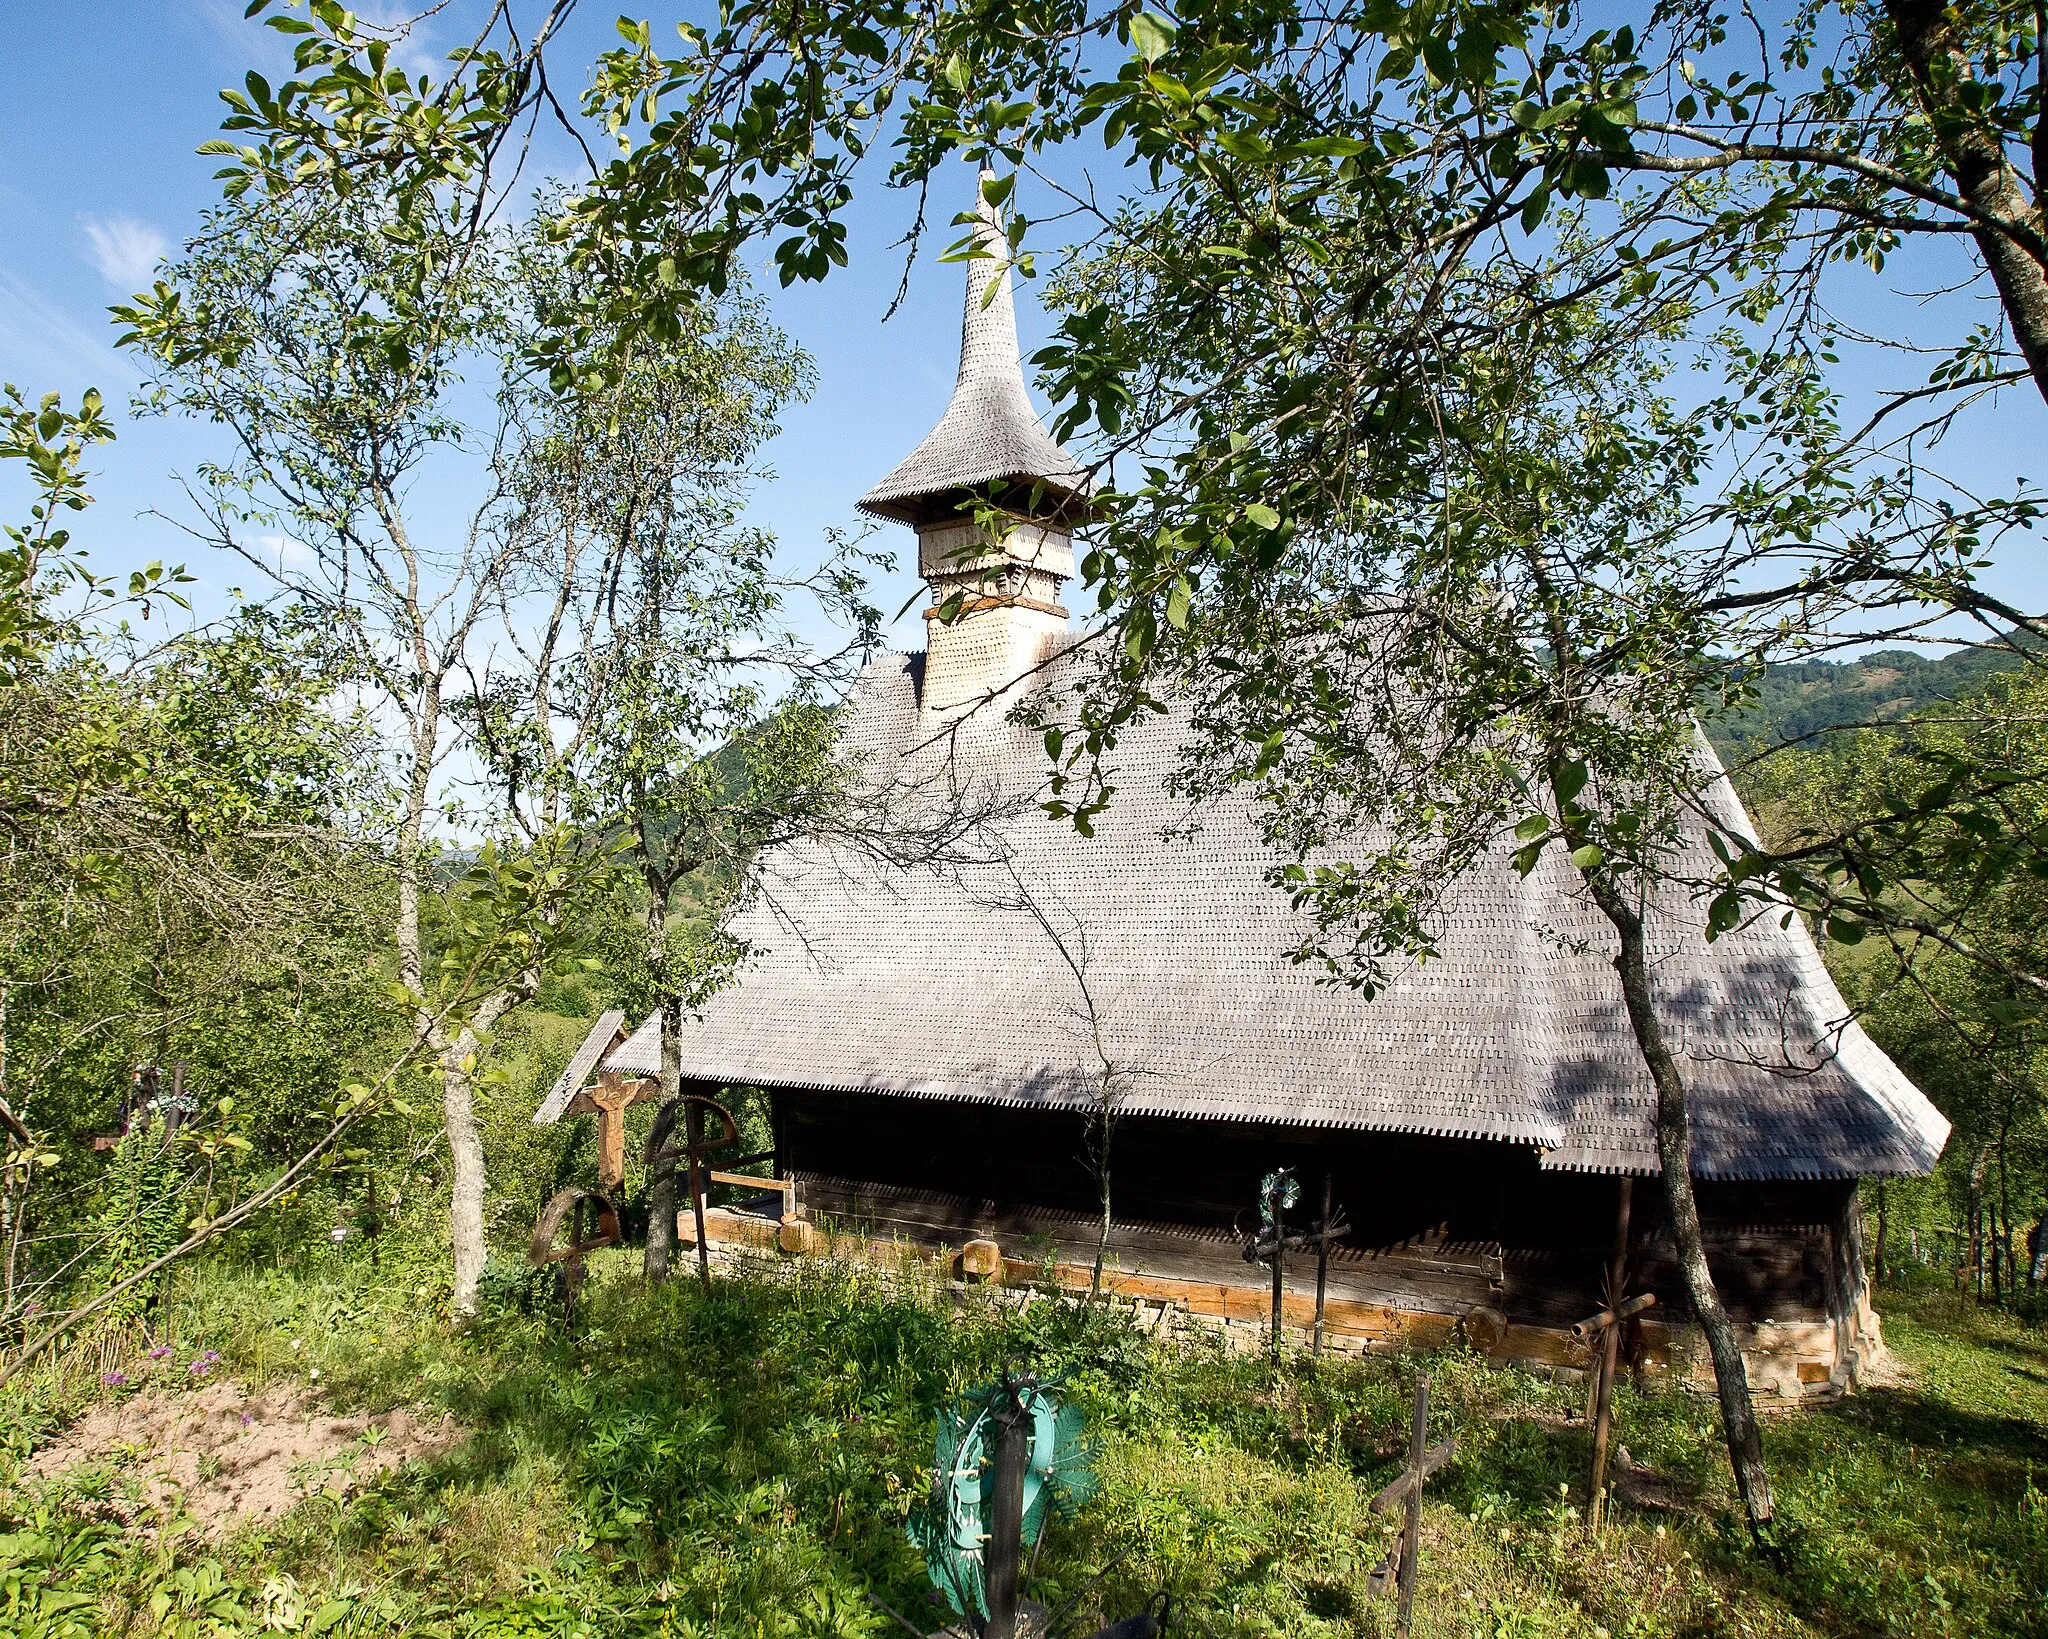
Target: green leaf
x,y
1568,780
1533,827
1178,596
1262,515
1151,35
1588,857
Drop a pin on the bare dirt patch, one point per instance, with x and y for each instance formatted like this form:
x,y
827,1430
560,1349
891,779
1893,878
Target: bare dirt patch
x,y
237,1456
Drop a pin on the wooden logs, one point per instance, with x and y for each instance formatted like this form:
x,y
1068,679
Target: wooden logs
x,y
800,1237
1589,1328
1484,1329
724,1227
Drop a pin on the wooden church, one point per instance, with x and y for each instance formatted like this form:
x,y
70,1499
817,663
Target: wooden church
x,y
935,1040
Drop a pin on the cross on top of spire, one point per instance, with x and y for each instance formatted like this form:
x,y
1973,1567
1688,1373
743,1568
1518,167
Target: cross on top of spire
x,y
989,434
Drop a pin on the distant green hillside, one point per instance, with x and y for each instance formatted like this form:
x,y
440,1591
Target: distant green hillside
x,y
1809,696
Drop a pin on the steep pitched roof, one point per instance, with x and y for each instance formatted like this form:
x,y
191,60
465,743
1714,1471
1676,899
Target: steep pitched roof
x,y
990,433
947,984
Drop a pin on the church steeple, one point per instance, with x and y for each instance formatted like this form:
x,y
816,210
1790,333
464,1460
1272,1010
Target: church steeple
x,y
989,435
988,446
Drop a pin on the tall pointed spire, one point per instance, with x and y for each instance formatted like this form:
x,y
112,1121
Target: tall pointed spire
x,y
995,614
989,434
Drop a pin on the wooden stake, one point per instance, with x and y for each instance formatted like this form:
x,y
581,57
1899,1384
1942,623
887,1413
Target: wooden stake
x,y
1411,1528
1322,1267
1279,1269
693,1139
1004,1565
1610,1358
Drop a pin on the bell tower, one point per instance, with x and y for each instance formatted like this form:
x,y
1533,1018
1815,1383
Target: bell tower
x,y
988,450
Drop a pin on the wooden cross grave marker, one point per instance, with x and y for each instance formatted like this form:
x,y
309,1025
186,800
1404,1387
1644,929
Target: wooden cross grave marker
x,y
1272,1241
1396,1573
1604,1332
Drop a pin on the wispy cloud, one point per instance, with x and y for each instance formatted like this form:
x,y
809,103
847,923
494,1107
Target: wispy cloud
x,y
287,554
413,42
125,250
41,347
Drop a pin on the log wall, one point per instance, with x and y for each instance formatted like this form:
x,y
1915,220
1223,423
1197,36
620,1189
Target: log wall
x,y
1440,1226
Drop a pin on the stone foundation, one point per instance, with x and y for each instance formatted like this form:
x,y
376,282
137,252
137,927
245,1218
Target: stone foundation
x,y
1789,1361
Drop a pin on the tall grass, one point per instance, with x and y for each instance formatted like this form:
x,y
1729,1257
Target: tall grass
x,y
742,1463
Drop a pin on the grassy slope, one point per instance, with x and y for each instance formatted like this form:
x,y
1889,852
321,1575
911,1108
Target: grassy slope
x,y
742,1464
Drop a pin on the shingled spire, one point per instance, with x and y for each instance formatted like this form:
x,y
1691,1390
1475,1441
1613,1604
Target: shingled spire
x,y
988,448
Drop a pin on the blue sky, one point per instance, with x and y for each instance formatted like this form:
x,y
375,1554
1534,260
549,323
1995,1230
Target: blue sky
x,y
102,105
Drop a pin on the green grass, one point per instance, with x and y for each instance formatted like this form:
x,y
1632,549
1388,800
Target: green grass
x,y
741,1463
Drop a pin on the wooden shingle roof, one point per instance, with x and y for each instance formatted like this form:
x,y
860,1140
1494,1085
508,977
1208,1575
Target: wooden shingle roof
x,y
945,984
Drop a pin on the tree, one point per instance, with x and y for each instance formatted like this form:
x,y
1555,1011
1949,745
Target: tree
x,y
332,347
703,737
1339,232
176,820
1956,1005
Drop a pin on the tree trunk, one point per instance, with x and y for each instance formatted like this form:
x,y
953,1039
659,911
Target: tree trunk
x,y
466,1182
1974,1257
2005,1262
661,1178
661,1191
1104,1131
1674,1155
1976,159
661,1214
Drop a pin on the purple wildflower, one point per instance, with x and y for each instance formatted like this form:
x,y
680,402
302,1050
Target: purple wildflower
x,y
114,1380
204,1365
161,1352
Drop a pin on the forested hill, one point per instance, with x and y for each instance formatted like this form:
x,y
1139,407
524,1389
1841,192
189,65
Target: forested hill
x,y
1811,695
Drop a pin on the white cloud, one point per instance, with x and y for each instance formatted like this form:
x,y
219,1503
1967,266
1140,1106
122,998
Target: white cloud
x,y
125,251
289,555
41,345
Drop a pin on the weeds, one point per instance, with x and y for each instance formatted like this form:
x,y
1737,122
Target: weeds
x,y
742,1463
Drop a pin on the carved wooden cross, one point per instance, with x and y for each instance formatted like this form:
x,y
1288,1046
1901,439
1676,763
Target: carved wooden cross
x,y
611,1095
1397,1570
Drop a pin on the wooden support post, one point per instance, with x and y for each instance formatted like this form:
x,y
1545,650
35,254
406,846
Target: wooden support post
x,y
1003,1569
1279,1271
1610,1357
1322,1267
693,1140
1411,1527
